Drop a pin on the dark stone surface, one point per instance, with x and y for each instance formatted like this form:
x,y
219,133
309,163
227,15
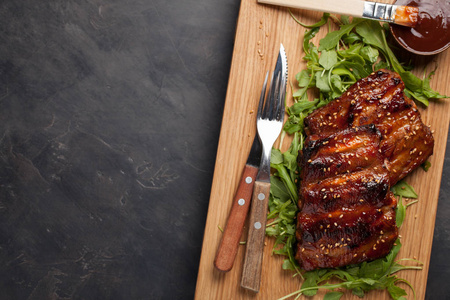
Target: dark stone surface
x,y
110,115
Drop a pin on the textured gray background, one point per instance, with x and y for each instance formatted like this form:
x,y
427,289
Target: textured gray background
x,y
110,114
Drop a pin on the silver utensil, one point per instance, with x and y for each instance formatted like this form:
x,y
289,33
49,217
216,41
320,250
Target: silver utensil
x,y
269,124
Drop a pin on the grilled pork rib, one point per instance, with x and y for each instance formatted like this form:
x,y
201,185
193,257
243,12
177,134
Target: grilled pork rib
x,y
379,99
357,147
347,212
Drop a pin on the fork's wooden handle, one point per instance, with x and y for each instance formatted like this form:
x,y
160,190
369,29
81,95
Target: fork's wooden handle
x,y
251,274
226,253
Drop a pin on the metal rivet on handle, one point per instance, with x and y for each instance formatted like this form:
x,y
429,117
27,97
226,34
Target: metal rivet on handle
x,y
261,196
248,180
241,201
257,225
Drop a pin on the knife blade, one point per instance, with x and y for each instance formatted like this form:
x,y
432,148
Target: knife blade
x,y
229,244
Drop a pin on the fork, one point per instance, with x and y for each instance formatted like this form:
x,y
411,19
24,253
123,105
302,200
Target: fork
x,y
269,123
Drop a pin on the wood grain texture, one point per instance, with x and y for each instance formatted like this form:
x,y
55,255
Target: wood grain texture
x,y
228,247
254,250
260,30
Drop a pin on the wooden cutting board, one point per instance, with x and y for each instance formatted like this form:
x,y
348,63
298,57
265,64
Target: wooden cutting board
x,y
260,30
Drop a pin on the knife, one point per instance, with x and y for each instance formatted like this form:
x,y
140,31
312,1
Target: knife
x,y
229,244
398,14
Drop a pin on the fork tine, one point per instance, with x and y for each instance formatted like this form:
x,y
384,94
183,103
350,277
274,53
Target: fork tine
x,y
261,98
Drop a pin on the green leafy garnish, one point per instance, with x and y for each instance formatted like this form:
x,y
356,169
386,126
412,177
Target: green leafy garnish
x,y
403,189
426,166
344,56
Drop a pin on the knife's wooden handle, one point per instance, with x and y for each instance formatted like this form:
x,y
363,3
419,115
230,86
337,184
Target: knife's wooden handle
x,y
251,274
226,253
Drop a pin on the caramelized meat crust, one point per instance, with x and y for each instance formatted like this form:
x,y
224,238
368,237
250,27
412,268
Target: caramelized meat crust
x,y
357,147
347,214
379,99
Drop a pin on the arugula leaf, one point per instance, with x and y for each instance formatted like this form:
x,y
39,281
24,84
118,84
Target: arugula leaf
x,y
404,189
371,33
311,280
276,157
428,91
370,54
328,59
322,21
309,35
426,166
333,296
304,79
396,292
331,40
322,82
401,212
278,189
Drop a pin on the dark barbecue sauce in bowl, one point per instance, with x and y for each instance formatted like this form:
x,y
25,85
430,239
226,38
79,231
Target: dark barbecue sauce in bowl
x,y
431,35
